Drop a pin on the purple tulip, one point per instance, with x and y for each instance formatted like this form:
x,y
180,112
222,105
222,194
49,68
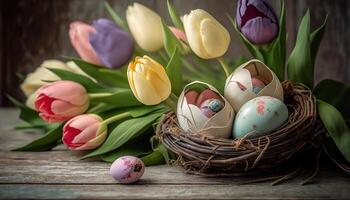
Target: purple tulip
x,y
112,45
257,21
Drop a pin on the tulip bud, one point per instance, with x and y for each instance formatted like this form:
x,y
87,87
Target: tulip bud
x,y
148,81
84,132
202,110
61,100
103,43
145,26
257,21
206,36
251,79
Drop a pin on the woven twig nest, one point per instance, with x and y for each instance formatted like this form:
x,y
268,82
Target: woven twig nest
x,y
226,157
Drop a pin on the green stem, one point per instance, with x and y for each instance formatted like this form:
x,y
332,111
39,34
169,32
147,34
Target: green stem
x,y
189,65
163,57
98,95
170,103
116,118
224,66
174,97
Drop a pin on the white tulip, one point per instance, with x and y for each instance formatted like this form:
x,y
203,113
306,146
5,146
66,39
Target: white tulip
x,y
206,36
145,26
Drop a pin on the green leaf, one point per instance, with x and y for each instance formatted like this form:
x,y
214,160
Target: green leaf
x,y
251,47
154,158
144,110
138,149
28,115
90,86
276,54
316,38
124,132
120,98
335,93
336,127
102,75
174,16
174,72
46,142
118,20
300,68
169,39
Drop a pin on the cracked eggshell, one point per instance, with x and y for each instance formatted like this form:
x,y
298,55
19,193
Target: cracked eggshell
x,y
193,121
239,87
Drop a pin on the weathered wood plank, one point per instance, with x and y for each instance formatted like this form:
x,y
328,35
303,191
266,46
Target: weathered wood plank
x,y
61,167
60,174
320,191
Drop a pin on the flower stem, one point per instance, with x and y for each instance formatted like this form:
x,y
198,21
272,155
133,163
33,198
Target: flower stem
x,y
174,97
224,66
99,95
170,103
116,118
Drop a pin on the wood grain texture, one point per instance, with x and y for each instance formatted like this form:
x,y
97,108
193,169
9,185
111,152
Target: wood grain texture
x,y
35,30
60,174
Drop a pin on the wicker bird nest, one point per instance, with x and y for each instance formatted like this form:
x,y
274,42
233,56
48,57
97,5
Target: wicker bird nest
x,y
226,157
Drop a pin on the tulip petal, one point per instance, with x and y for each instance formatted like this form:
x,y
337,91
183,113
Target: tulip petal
x,y
79,36
87,134
83,121
145,91
94,143
215,38
77,94
113,45
146,27
260,30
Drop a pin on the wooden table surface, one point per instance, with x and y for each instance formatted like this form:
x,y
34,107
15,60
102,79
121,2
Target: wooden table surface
x,y
59,174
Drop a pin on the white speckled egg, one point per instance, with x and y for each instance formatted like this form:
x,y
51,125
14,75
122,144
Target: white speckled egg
x,y
260,115
127,169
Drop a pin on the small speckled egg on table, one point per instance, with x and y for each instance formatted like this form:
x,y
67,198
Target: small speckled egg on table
x,y
127,169
259,116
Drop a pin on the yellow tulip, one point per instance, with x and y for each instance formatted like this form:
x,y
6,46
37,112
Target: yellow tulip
x,y
206,36
145,26
148,81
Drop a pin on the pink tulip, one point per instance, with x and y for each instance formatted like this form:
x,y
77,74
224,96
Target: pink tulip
x,y
179,34
61,100
79,36
84,132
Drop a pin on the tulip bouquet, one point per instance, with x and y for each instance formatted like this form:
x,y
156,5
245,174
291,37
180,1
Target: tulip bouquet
x,y
131,72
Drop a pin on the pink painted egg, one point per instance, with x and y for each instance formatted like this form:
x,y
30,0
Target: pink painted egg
x,y
258,85
127,169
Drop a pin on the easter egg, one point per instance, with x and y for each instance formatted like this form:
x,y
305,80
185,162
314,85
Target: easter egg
x,y
210,107
127,169
258,85
260,116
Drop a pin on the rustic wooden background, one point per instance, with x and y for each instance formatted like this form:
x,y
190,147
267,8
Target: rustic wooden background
x,y
34,30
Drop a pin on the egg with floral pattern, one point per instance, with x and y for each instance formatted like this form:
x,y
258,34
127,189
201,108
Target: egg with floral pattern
x,y
260,116
127,169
